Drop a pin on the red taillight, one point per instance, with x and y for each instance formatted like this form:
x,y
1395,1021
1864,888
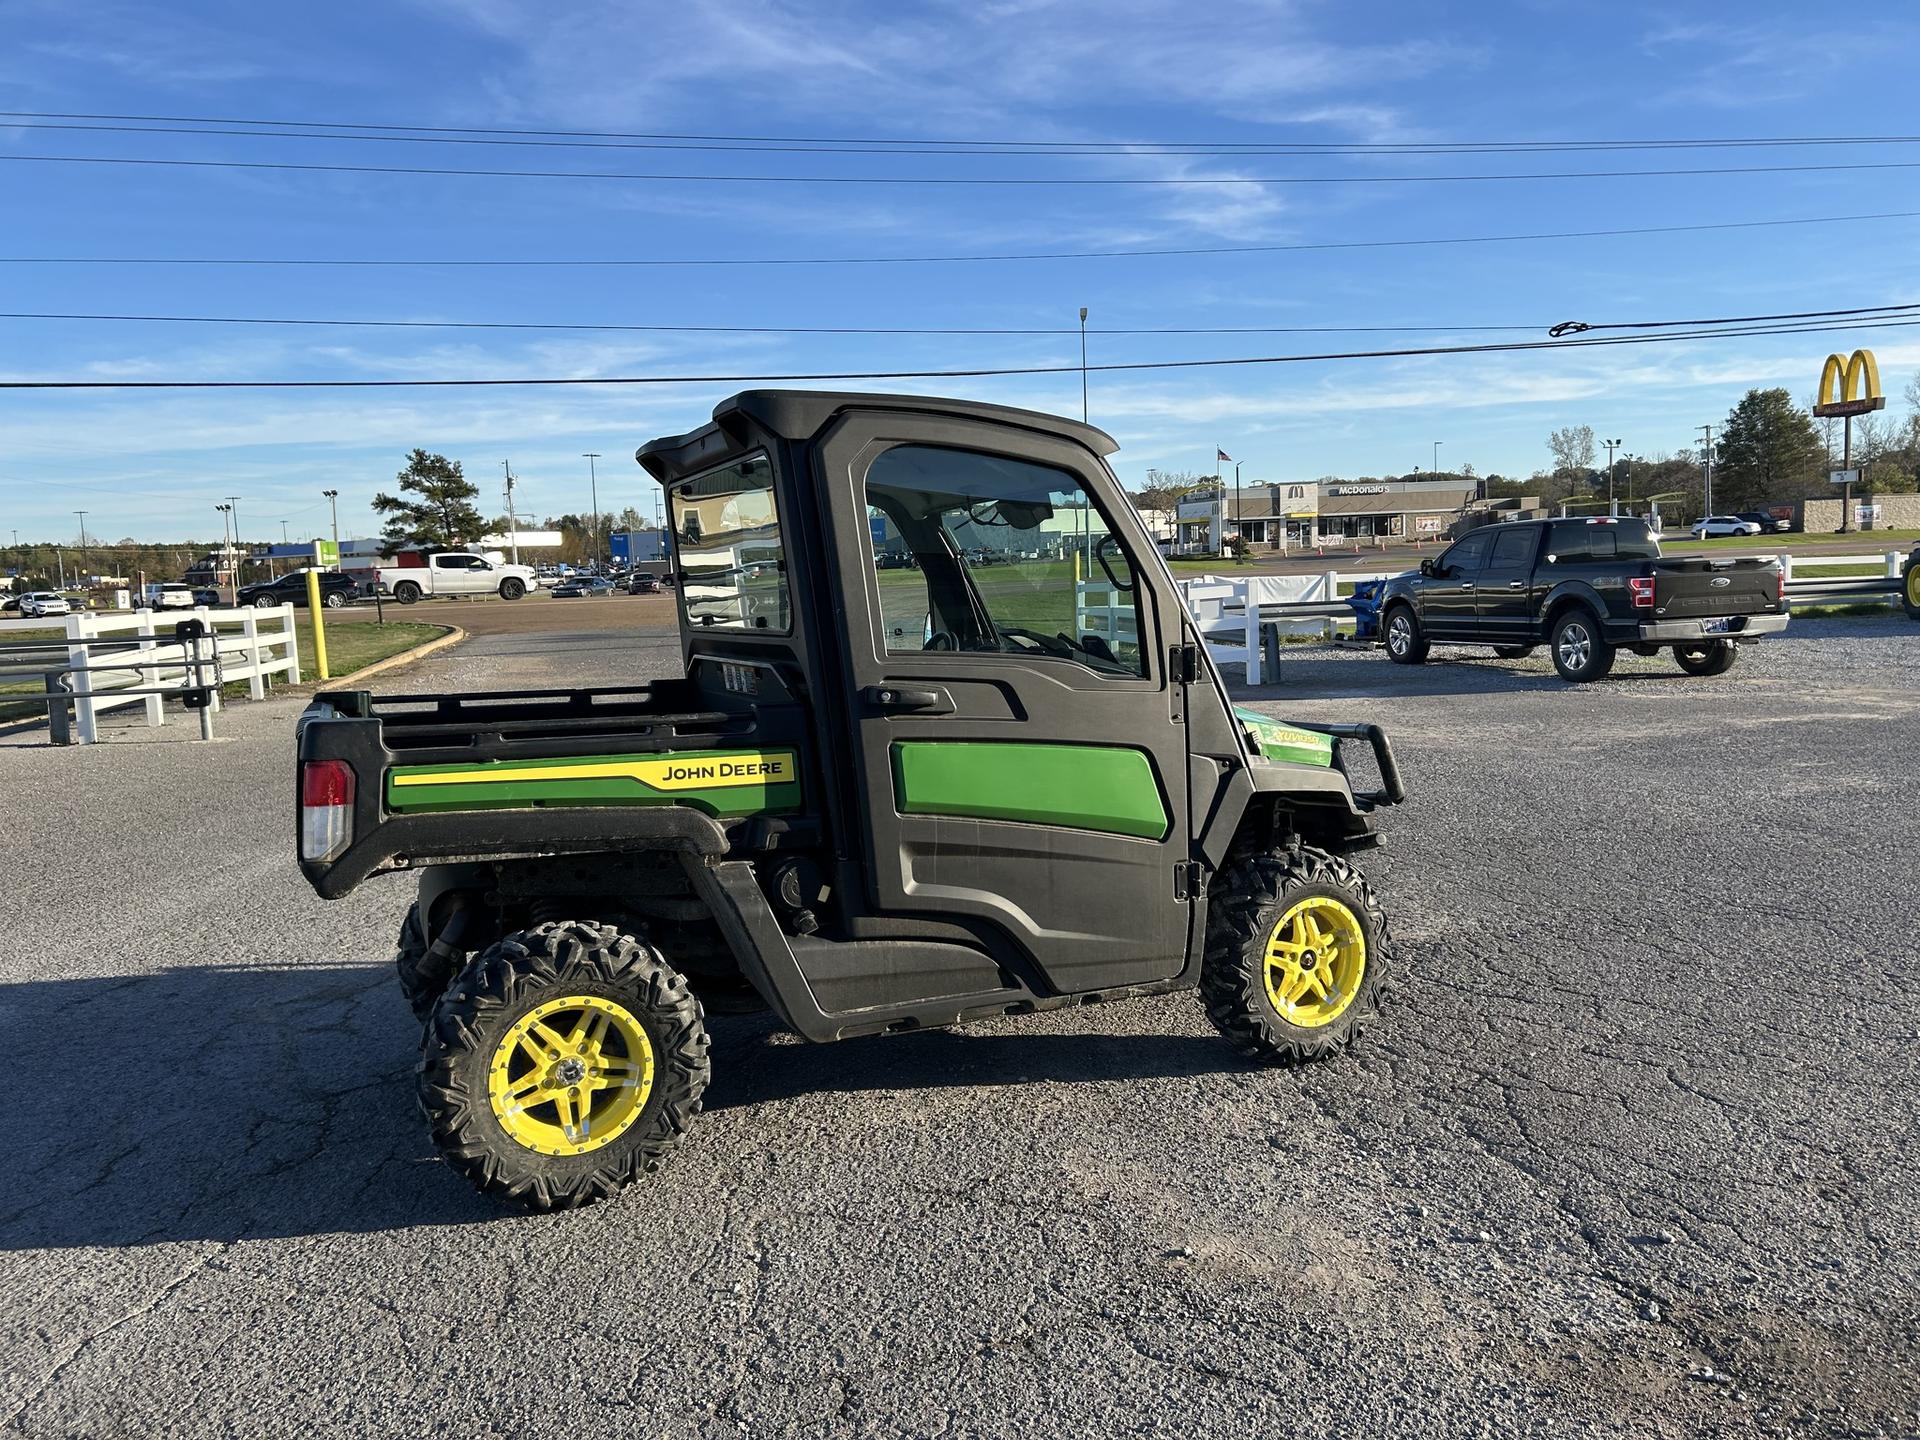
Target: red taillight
x,y
1640,587
326,808
1780,584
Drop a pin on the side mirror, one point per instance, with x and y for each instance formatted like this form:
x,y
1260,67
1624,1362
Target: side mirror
x,y
1427,567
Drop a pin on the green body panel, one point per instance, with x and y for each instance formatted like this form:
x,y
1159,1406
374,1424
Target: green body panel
x,y
1277,740
1084,787
719,782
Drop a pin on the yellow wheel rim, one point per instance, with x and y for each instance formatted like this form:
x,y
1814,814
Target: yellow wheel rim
x,y
1316,958
1913,584
571,1075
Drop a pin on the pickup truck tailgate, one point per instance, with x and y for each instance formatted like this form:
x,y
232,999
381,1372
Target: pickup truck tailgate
x,y
1690,586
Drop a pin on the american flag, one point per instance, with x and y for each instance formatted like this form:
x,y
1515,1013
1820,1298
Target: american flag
x,y
1225,458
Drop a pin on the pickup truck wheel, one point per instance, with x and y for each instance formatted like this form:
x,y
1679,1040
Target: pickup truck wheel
x,y
406,592
1404,643
1297,954
1580,651
1910,589
512,588
1512,652
565,1062
1715,657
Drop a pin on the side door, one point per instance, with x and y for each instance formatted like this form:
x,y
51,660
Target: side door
x,y
1449,599
1505,587
459,575
1022,752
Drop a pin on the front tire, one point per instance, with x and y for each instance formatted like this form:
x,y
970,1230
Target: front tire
x,y
1405,644
1910,588
564,1063
1297,956
512,589
335,600
1580,652
1713,657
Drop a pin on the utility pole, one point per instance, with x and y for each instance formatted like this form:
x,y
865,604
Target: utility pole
x,y
226,550
593,488
513,526
233,504
83,543
333,504
1436,455
1611,445
1708,453
1083,364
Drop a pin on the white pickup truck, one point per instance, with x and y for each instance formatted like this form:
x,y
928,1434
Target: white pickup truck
x,y
455,572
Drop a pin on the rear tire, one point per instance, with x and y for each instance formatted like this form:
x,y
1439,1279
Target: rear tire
x,y
1405,645
1713,657
512,589
1910,588
604,1034
423,975
1279,994
1580,652
1513,652
335,600
264,602
406,592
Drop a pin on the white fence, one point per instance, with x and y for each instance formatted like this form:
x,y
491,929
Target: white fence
x,y
253,645
1227,609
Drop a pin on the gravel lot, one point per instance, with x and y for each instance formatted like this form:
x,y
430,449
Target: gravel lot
x,y
1632,1152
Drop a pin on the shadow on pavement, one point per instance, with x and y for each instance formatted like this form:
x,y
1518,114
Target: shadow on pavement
x,y
227,1102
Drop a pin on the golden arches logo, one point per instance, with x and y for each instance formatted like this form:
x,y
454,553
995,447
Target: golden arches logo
x,y
1850,386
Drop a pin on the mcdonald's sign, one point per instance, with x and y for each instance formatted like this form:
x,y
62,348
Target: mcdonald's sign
x,y
1850,386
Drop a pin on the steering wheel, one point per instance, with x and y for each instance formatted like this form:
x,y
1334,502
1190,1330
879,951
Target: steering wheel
x,y
939,640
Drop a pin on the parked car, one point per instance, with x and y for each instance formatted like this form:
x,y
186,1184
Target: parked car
x,y
168,595
208,595
1768,522
643,582
1716,525
583,585
1585,588
37,604
336,590
455,572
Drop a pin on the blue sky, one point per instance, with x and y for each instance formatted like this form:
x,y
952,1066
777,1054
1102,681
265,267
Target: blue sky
x,y
151,465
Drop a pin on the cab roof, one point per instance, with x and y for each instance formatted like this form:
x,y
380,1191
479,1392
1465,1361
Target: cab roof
x,y
803,414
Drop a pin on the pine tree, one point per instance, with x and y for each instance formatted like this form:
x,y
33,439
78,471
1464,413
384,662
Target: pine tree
x,y
1767,452
442,514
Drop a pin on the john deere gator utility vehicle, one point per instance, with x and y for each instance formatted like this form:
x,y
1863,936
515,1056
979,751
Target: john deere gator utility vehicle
x,y
947,747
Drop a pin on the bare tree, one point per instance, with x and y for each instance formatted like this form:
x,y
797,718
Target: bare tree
x,y
1572,447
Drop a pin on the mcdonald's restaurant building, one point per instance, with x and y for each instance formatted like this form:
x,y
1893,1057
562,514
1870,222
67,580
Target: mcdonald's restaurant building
x,y
1396,509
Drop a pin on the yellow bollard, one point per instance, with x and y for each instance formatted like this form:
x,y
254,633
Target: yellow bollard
x,y
319,627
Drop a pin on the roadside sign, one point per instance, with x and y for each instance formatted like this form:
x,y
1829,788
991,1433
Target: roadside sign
x,y
1844,477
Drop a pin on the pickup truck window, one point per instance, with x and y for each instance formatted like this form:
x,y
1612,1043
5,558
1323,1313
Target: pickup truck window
x,y
733,567
1513,549
1578,540
1467,557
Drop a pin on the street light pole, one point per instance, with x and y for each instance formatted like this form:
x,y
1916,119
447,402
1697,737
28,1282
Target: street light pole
x,y
1708,454
233,504
83,544
593,489
333,505
1083,364
1612,445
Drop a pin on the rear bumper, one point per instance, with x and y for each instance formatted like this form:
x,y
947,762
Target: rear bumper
x,y
1747,628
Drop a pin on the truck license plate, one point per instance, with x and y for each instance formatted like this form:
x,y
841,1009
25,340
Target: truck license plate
x,y
1717,627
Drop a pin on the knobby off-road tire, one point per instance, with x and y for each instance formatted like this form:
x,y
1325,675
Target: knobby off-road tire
x,y
532,1022
1512,652
1405,644
1580,650
1713,657
423,975
1253,959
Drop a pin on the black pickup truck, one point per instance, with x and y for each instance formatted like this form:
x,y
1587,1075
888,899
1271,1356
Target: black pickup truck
x,y
1585,588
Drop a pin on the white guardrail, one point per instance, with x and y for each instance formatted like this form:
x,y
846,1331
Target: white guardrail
x,y
253,645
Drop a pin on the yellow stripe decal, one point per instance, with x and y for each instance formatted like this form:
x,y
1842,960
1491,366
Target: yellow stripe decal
x,y
669,775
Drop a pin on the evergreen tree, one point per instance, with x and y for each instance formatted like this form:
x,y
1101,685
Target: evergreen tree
x,y
1767,452
435,506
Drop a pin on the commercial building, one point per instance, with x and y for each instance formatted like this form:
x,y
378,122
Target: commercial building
x,y
1303,514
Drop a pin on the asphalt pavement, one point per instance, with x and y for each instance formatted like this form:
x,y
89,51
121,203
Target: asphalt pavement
x,y
1631,1152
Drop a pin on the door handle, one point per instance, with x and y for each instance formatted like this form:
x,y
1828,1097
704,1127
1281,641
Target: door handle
x,y
1516,584
907,700
1466,585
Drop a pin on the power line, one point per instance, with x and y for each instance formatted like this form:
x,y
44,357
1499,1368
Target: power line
x,y
250,129
1568,327
1010,146
972,181
770,329
994,258
1497,347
